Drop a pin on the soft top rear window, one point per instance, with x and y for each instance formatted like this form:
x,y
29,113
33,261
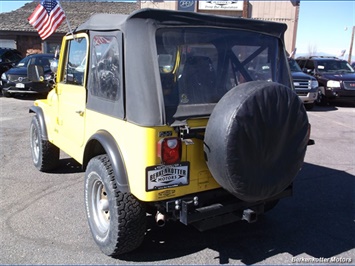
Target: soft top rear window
x,y
199,65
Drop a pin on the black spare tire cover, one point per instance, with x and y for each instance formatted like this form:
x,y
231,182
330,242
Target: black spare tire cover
x,y
256,140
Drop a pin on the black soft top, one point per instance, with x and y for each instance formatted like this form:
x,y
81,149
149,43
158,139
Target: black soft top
x,y
141,99
102,21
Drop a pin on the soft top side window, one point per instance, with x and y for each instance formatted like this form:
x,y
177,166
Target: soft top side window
x,y
104,77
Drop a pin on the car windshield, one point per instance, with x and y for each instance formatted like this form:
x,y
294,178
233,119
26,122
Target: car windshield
x,y
199,65
294,67
36,60
334,66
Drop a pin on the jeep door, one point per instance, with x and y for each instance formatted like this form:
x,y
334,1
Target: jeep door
x,y
71,90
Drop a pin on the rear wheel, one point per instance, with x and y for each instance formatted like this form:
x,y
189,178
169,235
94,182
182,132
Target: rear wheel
x,y
45,155
117,220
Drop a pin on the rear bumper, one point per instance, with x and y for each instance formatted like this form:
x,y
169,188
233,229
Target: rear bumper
x,y
211,209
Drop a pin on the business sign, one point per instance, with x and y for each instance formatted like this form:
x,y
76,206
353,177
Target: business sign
x,y
186,5
221,5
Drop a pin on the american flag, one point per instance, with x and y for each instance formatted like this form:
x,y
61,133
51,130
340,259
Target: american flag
x,y
47,17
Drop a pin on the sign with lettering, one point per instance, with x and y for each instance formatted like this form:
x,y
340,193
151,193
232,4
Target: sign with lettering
x,y
166,176
221,5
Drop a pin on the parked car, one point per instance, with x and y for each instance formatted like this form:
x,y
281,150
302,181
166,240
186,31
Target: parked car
x,y
305,85
335,76
16,79
8,58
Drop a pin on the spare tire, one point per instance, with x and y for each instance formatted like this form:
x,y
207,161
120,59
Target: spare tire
x,y
256,140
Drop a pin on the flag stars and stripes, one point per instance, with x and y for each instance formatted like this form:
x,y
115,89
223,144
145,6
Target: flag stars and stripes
x,y
47,17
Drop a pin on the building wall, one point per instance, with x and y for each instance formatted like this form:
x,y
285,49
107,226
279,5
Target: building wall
x,y
172,5
278,11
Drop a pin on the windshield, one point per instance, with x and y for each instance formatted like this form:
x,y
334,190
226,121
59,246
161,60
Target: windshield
x,y
36,60
294,67
334,66
199,65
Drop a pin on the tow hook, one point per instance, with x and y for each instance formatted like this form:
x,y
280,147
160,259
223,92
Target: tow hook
x,y
250,216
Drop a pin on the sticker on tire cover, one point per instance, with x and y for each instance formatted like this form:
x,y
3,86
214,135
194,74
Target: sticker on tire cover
x,y
166,176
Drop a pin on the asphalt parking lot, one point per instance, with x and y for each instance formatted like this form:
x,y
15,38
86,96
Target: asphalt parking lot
x,y
42,216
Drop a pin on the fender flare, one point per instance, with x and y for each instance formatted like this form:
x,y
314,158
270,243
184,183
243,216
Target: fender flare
x,y
42,123
108,143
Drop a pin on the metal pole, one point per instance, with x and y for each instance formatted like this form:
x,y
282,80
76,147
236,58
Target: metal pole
x,y
351,45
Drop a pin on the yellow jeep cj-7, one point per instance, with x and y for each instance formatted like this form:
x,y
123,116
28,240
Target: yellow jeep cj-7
x,y
183,116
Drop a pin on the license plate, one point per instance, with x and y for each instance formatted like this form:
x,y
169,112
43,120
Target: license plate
x,y
20,85
166,176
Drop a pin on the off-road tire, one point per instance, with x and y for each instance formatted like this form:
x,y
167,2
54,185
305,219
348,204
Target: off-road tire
x,y
256,140
45,155
117,220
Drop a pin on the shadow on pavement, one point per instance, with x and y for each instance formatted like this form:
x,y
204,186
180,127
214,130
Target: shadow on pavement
x,y
67,166
332,106
318,221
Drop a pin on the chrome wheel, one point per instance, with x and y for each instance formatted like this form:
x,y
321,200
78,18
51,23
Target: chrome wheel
x,y
117,220
100,206
35,142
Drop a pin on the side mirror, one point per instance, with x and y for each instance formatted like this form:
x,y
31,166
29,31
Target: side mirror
x,y
54,65
35,73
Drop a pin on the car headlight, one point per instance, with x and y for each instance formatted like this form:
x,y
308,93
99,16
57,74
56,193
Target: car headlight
x,y
314,84
3,76
333,84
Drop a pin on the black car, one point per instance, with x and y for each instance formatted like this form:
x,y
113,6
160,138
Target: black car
x,y
16,79
335,76
8,58
306,86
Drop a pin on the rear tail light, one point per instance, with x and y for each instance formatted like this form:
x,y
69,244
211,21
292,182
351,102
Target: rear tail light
x,y
169,150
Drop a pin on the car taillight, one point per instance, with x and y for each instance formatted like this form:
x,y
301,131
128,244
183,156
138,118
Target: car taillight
x,y
169,150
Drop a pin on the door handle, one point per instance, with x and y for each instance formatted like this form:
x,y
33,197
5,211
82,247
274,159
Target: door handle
x,y
80,112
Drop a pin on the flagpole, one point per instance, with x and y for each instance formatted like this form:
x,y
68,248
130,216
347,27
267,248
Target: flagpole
x,y
66,18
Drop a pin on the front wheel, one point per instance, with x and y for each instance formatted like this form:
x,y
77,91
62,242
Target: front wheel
x,y
45,155
117,220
